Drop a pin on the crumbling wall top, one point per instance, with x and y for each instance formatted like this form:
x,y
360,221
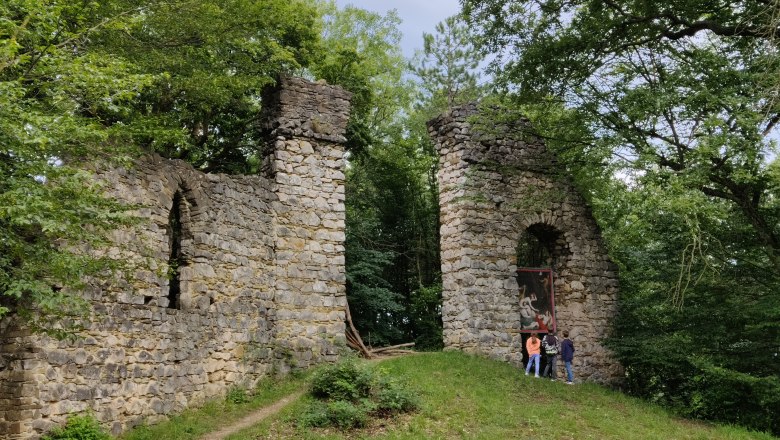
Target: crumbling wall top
x,y
483,134
301,108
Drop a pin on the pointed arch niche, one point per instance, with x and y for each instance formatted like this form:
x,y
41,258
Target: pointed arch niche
x,y
178,232
176,259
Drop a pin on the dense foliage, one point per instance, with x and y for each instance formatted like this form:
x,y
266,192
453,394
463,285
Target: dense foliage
x,y
209,61
82,82
347,394
50,88
87,81
79,428
677,102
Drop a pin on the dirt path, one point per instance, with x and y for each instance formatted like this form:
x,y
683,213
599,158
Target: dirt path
x,y
253,418
258,416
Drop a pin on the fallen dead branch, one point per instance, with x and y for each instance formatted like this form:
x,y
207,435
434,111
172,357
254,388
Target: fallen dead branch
x,y
392,347
353,337
355,342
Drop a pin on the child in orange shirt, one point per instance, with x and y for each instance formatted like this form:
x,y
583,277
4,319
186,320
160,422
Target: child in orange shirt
x,y
533,346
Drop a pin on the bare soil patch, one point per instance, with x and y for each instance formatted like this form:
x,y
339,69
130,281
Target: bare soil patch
x,y
253,418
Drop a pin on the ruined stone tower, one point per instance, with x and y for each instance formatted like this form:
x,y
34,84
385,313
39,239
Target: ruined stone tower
x,y
498,187
232,278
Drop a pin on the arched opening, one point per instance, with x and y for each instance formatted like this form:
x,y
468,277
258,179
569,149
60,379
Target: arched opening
x,y
176,258
540,252
539,246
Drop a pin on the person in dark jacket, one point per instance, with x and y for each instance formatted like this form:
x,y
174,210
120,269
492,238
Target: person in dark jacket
x,y
567,354
551,347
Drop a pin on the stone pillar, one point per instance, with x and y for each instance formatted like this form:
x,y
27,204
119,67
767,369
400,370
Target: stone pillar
x,y
21,373
496,182
306,123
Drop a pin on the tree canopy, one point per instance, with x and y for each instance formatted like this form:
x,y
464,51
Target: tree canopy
x,y
671,111
672,89
90,81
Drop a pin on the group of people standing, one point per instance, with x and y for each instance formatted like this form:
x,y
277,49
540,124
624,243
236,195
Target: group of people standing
x,y
552,348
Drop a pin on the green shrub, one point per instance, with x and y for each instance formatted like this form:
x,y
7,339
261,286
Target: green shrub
x,y
345,380
347,415
349,393
79,428
237,395
339,413
315,416
393,397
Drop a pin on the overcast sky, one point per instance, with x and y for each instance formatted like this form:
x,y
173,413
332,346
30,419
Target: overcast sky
x,y
418,16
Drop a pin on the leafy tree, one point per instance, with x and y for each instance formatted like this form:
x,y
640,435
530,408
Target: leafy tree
x,y
50,86
698,321
361,52
448,66
88,81
210,61
676,101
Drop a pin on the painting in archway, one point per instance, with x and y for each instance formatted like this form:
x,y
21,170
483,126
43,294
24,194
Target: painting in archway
x,y
537,300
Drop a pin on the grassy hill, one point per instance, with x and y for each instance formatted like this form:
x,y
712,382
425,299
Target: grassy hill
x,y
470,397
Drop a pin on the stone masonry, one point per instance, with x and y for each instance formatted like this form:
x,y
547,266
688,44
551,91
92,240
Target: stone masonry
x,y
496,183
231,279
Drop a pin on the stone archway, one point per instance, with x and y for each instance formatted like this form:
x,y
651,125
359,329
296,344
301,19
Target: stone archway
x,y
495,189
541,245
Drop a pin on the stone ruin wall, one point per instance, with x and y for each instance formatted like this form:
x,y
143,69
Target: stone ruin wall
x,y
306,166
261,278
493,187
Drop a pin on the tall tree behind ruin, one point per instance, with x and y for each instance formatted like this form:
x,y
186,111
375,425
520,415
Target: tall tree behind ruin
x,y
83,81
448,67
392,228
672,102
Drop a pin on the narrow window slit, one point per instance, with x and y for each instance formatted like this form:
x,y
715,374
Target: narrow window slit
x,y
175,259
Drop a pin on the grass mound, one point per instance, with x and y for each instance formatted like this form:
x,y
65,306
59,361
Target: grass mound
x,y
470,397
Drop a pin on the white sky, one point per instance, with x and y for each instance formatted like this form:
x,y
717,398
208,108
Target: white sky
x,y
418,16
